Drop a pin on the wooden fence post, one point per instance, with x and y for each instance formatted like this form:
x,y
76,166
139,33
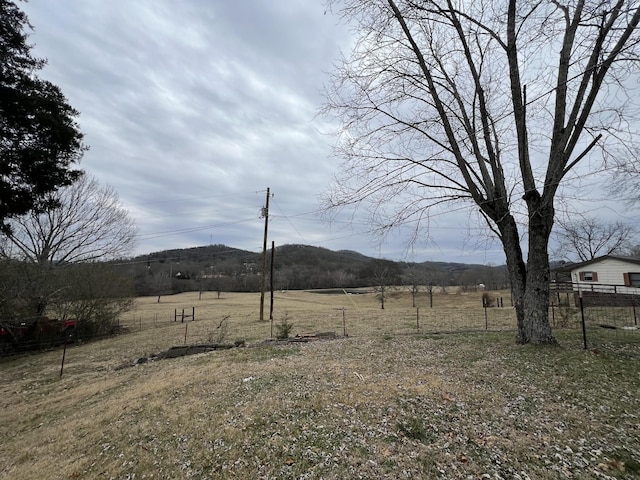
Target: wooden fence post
x,y
344,322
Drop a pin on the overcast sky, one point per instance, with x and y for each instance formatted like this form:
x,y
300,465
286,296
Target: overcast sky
x,y
191,109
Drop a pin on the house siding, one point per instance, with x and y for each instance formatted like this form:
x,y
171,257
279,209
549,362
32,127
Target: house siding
x,y
610,272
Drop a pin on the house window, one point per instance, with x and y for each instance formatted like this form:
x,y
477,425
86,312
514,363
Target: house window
x,y
588,276
632,279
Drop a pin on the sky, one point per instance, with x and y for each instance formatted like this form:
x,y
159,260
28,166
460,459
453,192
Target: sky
x,y
192,109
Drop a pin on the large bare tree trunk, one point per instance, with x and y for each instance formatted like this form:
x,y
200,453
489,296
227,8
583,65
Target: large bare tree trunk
x,y
536,304
516,267
536,298
529,283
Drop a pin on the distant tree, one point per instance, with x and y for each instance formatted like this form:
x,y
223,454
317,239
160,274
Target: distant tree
x,y
94,294
82,222
412,277
384,273
52,254
39,137
418,278
494,277
341,278
469,278
24,290
586,238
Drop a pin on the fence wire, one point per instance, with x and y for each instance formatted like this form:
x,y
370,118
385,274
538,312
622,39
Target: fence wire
x,y
608,317
609,324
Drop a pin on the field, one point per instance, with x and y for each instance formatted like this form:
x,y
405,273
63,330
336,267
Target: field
x,y
427,394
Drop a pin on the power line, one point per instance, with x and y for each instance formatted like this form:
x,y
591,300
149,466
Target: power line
x,y
168,233
289,221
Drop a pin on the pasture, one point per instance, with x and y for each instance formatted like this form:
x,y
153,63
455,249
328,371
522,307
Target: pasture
x,y
439,393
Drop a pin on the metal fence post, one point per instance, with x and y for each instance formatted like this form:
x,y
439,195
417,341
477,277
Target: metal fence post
x,y
584,327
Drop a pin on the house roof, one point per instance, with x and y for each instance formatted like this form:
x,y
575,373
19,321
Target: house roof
x,y
573,266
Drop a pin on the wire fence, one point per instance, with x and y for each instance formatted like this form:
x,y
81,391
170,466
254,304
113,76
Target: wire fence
x,y
185,319
605,327
608,315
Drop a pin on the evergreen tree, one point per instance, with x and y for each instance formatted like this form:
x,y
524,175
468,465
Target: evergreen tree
x,y
40,140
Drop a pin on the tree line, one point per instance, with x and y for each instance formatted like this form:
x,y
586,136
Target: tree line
x,y
296,267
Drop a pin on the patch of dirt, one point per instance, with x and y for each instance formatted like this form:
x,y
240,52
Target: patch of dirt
x,y
184,350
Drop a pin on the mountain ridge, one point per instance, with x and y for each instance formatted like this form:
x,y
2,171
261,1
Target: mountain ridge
x,y
295,267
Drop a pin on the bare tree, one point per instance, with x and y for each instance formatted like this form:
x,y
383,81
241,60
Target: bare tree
x,y
93,293
87,222
492,104
588,238
381,276
625,166
414,278
382,273
420,278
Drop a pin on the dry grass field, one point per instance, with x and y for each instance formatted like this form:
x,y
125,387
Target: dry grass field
x,y
391,400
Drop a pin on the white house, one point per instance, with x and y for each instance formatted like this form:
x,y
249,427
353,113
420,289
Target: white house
x,y
610,274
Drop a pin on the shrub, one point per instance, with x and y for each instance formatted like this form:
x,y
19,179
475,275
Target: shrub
x,y
220,333
283,329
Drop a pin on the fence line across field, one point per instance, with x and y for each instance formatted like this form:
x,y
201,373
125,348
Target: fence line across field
x,y
608,321
341,320
352,316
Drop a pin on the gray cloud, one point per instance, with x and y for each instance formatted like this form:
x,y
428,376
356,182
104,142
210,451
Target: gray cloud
x,y
193,108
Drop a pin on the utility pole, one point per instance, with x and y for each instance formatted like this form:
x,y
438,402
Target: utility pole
x,y
263,280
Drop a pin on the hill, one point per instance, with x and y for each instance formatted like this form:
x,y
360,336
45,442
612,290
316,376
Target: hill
x,y
295,267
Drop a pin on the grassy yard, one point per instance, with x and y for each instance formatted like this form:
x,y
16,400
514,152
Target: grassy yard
x,y
385,402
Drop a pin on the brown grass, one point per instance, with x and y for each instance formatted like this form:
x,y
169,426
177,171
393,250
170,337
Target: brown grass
x,y
383,403
310,313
